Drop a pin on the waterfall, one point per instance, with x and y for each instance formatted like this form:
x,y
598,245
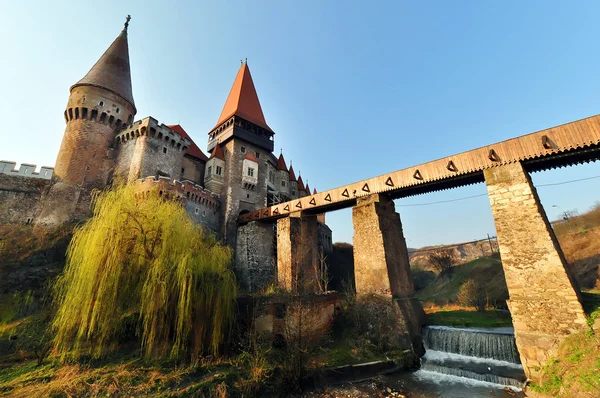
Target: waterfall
x,y
472,354
472,343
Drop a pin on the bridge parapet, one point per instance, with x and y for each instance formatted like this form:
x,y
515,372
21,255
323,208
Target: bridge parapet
x,y
554,147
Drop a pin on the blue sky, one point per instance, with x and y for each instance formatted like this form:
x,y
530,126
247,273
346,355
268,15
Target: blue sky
x,y
352,89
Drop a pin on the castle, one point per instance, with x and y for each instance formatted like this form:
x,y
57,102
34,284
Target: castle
x,y
103,141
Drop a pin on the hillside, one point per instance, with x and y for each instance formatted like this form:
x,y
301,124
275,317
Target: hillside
x,y
463,252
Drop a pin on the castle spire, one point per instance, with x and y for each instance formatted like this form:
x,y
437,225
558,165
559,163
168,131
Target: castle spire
x,y
243,100
112,71
281,163
292,174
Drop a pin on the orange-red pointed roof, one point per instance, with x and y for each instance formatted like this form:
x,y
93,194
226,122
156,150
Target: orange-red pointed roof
x,y
300,184
281,163
292,174
251,157
217,153
194,150
307,188
314,191
243,100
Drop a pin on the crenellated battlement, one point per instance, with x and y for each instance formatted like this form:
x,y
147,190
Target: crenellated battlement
x,y
25,170
183,189
151,128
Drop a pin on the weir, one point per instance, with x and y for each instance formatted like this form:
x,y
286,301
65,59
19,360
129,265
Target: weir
x,y
484,355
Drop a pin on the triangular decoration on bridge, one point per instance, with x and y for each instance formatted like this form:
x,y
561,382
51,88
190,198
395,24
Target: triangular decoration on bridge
x,y
286,208
547,142
276,211
494,156
257,215
266,213
328,198
313,202
299,205
366,188
451,166
418,175
345,193
389,182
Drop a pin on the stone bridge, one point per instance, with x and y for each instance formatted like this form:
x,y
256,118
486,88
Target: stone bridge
x,y
544,297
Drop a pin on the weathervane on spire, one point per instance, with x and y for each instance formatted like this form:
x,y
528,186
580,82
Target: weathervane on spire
x,y
127,21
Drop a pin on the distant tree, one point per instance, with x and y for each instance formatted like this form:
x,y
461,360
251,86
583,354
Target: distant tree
x,y
472,294
442,261
142,255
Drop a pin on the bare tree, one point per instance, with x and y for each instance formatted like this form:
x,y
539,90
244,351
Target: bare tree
x,y
442,261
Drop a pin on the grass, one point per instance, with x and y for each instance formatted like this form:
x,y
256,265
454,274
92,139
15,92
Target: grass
x,y
467,318
444,291
577,371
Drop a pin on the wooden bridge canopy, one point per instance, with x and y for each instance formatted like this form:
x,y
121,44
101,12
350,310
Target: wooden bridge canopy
x,y
564,145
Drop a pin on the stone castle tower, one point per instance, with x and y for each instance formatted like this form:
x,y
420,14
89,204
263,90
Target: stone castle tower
x,y
99,105
240,146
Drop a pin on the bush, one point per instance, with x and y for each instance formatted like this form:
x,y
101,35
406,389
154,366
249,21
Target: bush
x,y
472,294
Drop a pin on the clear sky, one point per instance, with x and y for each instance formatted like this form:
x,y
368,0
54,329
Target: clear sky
x,y
353,89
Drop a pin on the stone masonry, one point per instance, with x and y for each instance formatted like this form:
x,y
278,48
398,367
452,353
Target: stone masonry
x,y
380,256
544,301
297,252
381,264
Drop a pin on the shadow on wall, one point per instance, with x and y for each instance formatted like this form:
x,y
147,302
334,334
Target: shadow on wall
x,y
340,264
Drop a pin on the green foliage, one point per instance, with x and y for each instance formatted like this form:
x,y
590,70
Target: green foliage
x,y
472,294
575,371
33,337
461,318
489,269
141,254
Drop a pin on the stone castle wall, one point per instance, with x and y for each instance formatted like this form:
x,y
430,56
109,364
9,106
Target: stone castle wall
x,y
20,198
26,170
236,197
202,206
150,149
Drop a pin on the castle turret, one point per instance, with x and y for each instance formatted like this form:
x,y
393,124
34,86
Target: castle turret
x,y
247,142
99,105
283,177
215,170
293,183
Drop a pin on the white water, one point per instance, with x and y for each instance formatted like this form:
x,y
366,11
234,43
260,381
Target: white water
x,y
483,357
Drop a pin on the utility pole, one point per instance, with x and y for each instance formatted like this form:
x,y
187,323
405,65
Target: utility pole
x,y
491,246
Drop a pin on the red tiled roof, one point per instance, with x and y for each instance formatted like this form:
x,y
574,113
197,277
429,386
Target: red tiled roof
x,y
292,174
314,191
251,157
217,153
300,184
281,163
243,100
193,150
307,188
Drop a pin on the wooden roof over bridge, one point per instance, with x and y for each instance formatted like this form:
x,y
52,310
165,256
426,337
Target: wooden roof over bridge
x,y
559,146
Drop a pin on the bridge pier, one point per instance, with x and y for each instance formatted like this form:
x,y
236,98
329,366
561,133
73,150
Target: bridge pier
x,y
544,302
297,253
381,264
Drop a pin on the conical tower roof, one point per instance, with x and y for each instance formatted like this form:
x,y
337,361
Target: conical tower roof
x,y
281,163
243,100
112,71
301,184
292,174
217,153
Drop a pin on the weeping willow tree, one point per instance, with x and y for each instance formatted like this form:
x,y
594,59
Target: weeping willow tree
x,y
144,257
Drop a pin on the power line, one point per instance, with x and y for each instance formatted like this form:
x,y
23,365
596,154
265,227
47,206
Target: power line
x,y
485,194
